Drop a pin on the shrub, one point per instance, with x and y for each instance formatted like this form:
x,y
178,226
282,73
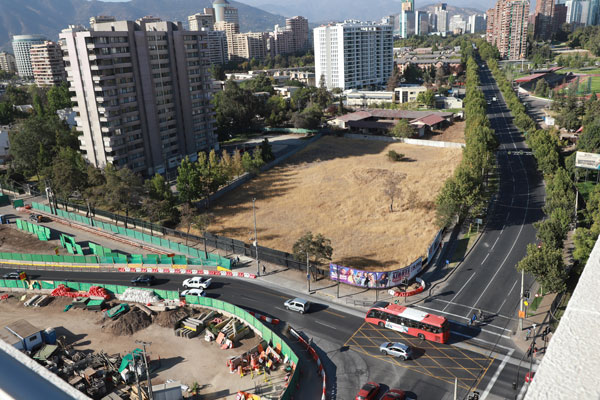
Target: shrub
x,y
394,156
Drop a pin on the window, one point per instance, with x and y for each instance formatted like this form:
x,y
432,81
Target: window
x,y
32,338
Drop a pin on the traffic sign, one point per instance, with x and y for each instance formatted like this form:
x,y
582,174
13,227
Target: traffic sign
x,y
521,314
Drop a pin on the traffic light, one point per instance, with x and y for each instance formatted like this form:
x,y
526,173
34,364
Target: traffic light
x,y
526,294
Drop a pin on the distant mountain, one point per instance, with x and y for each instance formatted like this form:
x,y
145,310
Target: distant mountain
x,y
49,17
453,10
319,11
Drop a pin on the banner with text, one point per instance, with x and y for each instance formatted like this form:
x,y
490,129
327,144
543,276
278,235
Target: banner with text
x,y
357,277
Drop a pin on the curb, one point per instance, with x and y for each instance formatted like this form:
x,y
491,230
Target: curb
x,y
188,272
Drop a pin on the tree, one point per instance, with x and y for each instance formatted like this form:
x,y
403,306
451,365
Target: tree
x,y
187,181
247,163
318,247
394,80
94,190
201,222
237,164
236,110
16,96
266,151
546,265
392,189
187,218
158,189
261,83
427,98
58,98
440,74
217,72
412,74
123,190
310,118
402,129
68,174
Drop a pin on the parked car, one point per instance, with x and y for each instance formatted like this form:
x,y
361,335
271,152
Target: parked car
x,y
12,275
197,282
394,394
368,391
396,349
193,292
143,280
297,304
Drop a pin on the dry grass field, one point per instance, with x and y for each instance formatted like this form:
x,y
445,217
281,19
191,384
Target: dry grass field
x,y
336,187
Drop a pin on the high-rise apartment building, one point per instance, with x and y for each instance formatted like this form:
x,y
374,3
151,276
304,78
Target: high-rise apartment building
x,y
142,92
353,54
543,25
560,16
201,22
217,47
21,45
441,16
7,62
47,64
245,46
507,28
298,26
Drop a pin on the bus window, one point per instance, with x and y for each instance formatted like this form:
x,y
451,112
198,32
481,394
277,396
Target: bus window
x,y
371,314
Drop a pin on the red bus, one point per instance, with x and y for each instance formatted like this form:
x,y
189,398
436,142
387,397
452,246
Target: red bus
x,y
410,321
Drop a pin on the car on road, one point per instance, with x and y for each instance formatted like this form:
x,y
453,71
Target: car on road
x,y
394,394
143,280
197,282
396,349
12,275
193,292
494,98
297,304
368,391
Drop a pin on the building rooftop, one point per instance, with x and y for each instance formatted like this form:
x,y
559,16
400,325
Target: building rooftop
x,y
22,328
392,114
429,120
571,365
530,78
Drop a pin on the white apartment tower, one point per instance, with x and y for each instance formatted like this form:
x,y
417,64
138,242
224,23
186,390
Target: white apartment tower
x,y
142,92
47,64
353,54
21,45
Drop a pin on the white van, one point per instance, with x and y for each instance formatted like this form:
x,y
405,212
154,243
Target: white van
x,y
297,304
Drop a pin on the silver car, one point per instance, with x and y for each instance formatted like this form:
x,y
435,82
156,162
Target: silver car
x,y
399,350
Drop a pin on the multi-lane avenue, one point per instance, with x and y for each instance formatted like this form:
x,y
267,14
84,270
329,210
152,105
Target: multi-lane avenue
x,y
479,358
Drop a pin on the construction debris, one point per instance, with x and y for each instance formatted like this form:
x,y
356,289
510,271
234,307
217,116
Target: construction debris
x,y
129,323
138,296
169,319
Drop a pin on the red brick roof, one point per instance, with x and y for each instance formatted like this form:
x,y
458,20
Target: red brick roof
x,y
430,120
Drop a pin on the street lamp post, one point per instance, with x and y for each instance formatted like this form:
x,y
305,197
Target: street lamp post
x,y
307,273
521,300
255,237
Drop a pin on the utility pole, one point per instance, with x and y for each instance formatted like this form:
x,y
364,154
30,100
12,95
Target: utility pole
x,y
337,268
455,388
147,369
307,272
532,353
137,377
521,300
255,238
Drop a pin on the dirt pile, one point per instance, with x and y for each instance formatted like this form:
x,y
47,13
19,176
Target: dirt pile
x,y
168,319
129,323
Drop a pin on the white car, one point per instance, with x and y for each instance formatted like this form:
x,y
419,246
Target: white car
x,y
197,282
193,292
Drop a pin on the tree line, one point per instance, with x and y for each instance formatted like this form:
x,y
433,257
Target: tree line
x,y
464,195
544,261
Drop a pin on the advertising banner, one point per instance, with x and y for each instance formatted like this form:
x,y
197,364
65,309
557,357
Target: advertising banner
x,y
368,279
434,245
587,160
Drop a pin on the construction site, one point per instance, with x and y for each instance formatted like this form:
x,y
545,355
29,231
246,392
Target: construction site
x,y
113,349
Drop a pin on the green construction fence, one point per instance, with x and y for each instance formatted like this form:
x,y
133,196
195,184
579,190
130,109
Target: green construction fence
x,y
268,335
209,259
41,232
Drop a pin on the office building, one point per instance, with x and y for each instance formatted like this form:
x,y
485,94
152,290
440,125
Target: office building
x,y
7,62
408,5
201,22
543,25
582,13
457,25
298,26
407,23
21,45
476,24
441,17
353,54
507,28
560,16
47,64
142,92
225,13
421,23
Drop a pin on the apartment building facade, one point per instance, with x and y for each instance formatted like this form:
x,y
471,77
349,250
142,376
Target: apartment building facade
x,y
142,92
353,54
298,26
507,28
47,64
7,62
21,45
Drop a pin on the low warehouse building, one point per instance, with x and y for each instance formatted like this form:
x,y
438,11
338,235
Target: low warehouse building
x,y
22,335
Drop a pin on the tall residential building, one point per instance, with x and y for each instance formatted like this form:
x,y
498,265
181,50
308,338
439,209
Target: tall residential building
x,y
560,16
21,45
225,13
47,64
281,41
441,18
142,92
353,54
299,27
543,24
476,24
245,46
507,28
217,47
7,62
201,22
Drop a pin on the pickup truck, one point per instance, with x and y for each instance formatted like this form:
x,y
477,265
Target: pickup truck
x,y
197,282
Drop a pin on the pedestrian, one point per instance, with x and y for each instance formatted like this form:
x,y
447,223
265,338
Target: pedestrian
x,y
473,319
237,259
527,334
480,314
264,269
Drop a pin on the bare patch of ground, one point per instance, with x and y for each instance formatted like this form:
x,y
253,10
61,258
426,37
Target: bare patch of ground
x,y
13,240
454,133
336,187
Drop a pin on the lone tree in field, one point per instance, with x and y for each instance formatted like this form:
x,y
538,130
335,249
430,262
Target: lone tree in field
x,y
318,247
392,188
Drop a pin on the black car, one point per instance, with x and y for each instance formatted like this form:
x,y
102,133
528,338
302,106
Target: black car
x,y
143,280
12,275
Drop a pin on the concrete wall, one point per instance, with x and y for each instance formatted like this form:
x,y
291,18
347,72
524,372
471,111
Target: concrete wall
x,y
419,142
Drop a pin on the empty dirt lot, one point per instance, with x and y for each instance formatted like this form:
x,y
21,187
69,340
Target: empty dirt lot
x,y
336,187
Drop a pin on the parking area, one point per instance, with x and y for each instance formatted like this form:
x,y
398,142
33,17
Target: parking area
x,y
440,361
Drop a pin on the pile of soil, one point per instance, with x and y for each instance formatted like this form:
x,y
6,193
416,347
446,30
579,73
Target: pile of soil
x,y
129,323
168,319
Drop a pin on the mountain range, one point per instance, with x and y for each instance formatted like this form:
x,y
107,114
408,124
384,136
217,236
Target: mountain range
x,y
319,11
49,17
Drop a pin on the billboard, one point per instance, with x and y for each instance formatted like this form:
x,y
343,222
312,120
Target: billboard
x,y
368,279
587,160
434,245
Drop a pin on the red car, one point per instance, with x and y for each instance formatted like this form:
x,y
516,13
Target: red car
x,y
368,391
394,394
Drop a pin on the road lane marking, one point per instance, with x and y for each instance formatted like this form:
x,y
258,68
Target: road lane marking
x,y
461,317
327,325
486,257
492,382
507,296
498,238
461,289
336,314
